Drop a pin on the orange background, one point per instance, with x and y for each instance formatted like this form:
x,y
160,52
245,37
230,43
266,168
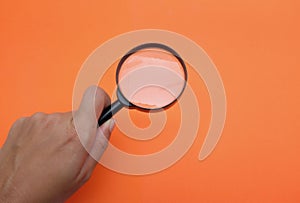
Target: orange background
x,y
254,44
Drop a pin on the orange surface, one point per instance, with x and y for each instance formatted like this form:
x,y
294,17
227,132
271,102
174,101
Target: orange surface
x,y
255,45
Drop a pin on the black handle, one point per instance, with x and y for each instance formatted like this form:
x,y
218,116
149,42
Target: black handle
x,y
109,111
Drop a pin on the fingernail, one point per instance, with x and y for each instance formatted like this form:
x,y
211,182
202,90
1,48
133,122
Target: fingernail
x,y
111,124
107,127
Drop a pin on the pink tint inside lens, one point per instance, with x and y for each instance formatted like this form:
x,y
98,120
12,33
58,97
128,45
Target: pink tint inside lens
x,y
151,78
152,97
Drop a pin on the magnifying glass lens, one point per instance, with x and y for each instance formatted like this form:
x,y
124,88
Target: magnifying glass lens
x,y
151,78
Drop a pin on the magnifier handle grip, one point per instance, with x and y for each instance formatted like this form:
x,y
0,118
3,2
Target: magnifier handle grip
x,y
109,111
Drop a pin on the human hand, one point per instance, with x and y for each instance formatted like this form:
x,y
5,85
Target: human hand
x,y
43,159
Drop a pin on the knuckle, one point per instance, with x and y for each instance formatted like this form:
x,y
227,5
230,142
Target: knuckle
x,y
45,120
16,125
18,122
49,122
52,118
38,116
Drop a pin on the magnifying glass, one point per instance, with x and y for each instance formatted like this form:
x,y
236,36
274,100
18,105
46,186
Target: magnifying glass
x,y
149,77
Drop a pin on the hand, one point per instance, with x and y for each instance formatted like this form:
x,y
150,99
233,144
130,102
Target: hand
x,y
43,159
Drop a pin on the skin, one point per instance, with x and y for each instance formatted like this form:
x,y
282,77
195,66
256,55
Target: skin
x,y
43,158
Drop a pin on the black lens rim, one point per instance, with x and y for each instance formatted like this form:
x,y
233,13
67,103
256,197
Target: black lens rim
x,y
120,95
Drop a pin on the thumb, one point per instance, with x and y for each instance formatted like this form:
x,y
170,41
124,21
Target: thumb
x,y
86,117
